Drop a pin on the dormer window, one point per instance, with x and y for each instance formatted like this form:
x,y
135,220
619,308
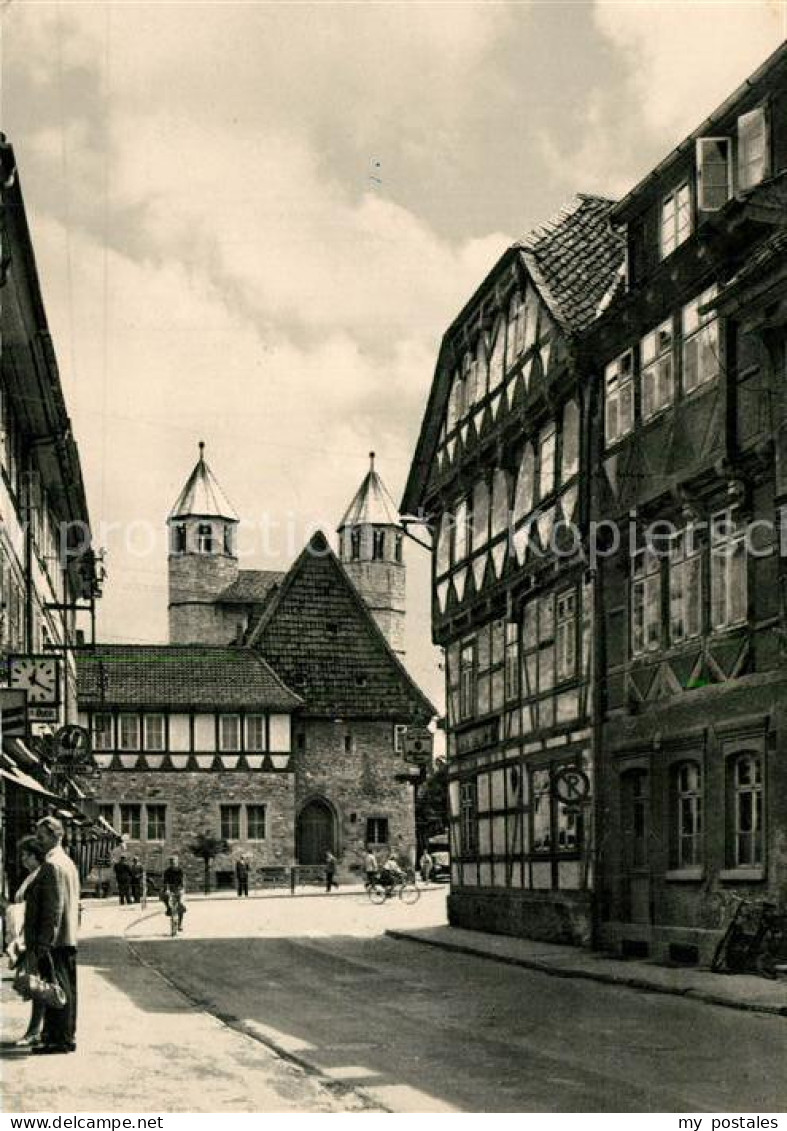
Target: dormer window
x,y
753,155
714,173
675,219
205,538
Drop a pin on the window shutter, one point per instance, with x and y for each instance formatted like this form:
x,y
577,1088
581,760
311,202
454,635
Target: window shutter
x,y
713,173
753,155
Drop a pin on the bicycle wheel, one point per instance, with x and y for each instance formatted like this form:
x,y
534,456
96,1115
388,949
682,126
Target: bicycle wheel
x,y
409,893
377,894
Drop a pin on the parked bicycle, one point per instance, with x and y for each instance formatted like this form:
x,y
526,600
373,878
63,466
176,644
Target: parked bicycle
x,y
754,941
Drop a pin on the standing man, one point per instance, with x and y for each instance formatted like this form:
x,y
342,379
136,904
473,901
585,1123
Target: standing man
x,y
330,871
242,875
51,919
136,872
123,877
426,864
370,867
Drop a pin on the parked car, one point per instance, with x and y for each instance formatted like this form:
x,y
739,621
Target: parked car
x,y
441,867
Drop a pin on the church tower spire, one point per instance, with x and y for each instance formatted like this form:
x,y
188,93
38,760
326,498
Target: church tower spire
x,y
371,549
202,557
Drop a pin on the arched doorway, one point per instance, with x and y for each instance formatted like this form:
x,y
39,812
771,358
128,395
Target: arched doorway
x,y
315,832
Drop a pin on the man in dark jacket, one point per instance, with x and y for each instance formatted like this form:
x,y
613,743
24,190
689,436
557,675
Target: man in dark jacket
x,y
123,878
136,873
242,875
51,920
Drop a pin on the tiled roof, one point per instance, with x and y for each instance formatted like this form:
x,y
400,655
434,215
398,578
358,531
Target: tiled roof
x,y
202,497
251,587
574,259
372,504
319,635
177,675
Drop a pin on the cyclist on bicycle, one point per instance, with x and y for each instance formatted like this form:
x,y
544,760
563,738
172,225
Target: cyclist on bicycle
x,y
391,873
172,885
370,868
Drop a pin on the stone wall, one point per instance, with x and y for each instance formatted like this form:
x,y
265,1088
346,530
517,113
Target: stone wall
x,y
193,799
383,587
195,581
359,782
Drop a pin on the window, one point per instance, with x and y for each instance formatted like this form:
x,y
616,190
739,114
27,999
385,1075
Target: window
x,y
348,744
523,499
619,402
753,156
461,532
399,733
355,544
516,327
378,545
542,811
512,682
130,821
714,173
156,822
205,538
656,378
229,732
700,342
228,540
546,460
255,732
636,813
728,580
377,830
675,219
685,587
230,822
102,732
106,811
129,732
468,818
255,822
179,538
645,602
747,811
570,456
154,732
566,634
399,548
467,681
688,841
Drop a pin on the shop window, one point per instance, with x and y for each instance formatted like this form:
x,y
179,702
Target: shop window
x,y
468,819
728,570
675,219
229,818
747,808
688,815
377,830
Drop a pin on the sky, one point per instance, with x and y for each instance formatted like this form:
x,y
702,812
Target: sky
x,y
254,221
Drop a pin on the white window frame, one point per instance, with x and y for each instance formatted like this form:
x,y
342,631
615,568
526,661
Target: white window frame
x,y
689,815
657,370
713,192
728,571
147,721
754,856
226,747
126,742
700,332
675,219
646,616
619,398
685,586
760,163
251,743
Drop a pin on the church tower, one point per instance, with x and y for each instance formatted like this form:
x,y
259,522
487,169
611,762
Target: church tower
x,y
371,549
202,558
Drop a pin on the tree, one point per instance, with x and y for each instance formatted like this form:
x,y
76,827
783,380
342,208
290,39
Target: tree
x,y
207,847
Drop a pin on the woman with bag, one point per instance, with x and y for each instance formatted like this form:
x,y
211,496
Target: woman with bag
x,y
31,855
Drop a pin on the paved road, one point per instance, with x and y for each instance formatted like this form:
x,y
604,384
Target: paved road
x,y
418,1029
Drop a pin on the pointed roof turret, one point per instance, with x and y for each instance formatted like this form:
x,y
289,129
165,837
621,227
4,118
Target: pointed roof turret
x,y
202,497
372,505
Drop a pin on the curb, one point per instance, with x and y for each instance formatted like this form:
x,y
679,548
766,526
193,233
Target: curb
x,y
231,1022
634,982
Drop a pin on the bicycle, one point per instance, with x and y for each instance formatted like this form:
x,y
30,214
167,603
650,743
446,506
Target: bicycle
x,y
407,890
174,909
754,941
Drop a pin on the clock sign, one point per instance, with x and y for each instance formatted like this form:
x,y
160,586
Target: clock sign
x,y
39,676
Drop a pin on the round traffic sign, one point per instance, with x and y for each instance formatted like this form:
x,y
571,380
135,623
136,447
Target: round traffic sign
x,y
571,785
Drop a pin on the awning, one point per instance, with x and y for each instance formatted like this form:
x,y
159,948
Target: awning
x,y
104,824
19,778
18,749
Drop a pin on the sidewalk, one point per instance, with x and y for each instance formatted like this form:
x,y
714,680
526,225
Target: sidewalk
x,y
738,991
144,1047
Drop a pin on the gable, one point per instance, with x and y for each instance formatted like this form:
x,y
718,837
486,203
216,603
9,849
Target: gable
x,y
320,637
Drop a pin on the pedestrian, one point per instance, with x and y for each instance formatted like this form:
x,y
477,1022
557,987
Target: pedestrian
x,y
51,921
242,875
173,882
136,875
31,855
123,879
330,871
370,867
426,864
